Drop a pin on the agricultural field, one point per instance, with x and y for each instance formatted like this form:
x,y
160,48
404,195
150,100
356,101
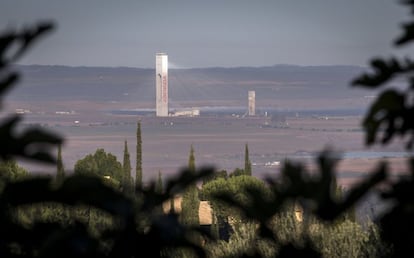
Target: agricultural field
x,y
219,142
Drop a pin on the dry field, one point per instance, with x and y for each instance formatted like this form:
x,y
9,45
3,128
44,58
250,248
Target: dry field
x,y
218,142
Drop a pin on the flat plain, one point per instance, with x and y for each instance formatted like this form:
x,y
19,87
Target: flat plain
x,y
220,141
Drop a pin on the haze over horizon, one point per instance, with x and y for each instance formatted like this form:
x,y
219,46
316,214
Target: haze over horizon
x,y
200,34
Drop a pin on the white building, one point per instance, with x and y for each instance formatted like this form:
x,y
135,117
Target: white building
x,y
161,84
188,112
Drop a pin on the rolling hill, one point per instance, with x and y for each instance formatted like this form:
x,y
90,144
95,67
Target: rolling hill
x,y
280,86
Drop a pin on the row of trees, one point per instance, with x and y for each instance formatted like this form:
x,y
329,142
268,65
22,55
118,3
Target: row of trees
x,y
106,165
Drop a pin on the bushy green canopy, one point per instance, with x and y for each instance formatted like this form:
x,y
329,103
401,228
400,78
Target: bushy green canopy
x,y
100,163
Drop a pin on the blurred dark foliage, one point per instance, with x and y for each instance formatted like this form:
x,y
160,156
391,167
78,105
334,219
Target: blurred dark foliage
x,y
33,143
142,230
389,117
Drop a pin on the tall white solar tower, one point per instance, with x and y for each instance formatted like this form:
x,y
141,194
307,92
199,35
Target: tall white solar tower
x,y
161,84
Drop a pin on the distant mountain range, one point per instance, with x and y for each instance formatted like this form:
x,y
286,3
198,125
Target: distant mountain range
x,y
274,85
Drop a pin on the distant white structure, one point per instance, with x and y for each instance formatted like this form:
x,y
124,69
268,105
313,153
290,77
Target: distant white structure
x,y
161,84
252,103
23,111
190,112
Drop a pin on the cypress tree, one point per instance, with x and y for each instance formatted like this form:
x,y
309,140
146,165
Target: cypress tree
x,y
158,188
138,167
190,202
126,167
247,163
60,174
158,184
191,160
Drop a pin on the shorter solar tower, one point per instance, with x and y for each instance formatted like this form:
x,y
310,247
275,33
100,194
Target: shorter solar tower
x,y
252,103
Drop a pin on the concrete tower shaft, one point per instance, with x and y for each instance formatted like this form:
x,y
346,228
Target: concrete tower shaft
x,y
161,84
252,103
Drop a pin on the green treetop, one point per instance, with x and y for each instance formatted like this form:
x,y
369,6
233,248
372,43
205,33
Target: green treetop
x,y
102,164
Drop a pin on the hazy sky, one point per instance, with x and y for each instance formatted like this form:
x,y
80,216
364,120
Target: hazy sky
x,y
205,33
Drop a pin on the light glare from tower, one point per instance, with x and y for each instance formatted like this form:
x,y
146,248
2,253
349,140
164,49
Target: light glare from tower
x,y
161,84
